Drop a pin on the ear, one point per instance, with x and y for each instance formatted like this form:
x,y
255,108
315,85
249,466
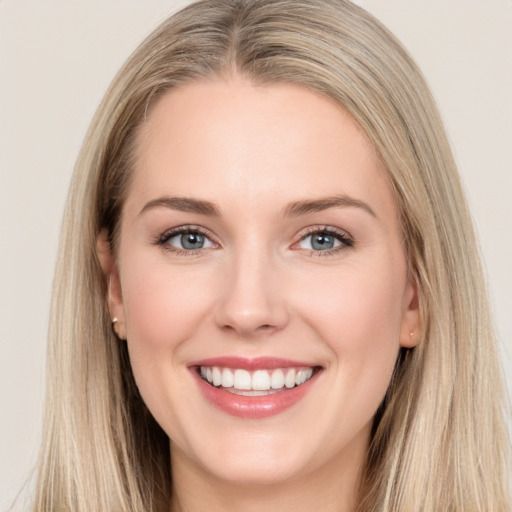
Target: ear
x,y
410,327
114,298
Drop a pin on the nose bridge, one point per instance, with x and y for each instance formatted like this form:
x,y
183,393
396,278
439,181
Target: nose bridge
x,y
252,301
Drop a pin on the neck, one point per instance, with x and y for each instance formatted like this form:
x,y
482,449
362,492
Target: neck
x,y
330,488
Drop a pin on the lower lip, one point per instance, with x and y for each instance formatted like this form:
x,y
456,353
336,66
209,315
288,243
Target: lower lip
x,y
254,406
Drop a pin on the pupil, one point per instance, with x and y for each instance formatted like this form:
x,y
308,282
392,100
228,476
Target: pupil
x,y
323,242
192,241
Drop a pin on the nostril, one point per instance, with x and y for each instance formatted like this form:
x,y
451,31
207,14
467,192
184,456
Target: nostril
x,y
250,313
258,331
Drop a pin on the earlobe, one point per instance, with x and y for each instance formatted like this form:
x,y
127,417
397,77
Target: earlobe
x,y
410,328
114,294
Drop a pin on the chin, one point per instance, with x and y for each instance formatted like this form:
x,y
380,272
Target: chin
x,y
255,460
248,471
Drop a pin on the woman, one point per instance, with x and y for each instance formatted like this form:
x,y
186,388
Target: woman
x,y
268,293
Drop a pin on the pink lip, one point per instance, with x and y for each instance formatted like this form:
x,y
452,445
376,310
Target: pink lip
x,y
252,407
254,363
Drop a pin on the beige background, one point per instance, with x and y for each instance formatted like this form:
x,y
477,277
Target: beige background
x,y
56,60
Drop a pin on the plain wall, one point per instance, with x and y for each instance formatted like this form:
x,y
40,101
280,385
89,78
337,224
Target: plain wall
x,y
56,60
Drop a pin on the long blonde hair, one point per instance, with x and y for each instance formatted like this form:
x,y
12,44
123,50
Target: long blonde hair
x,y
439,441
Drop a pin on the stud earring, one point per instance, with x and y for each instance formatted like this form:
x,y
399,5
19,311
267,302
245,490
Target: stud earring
x,y
114,326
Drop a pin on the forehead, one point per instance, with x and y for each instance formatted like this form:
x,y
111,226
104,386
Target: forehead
x,y
230,140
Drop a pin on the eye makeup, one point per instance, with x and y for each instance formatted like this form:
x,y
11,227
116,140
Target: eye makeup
x,y
189,240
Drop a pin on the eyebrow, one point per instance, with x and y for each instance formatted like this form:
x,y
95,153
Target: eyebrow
x,y
317,205
295,209
183,204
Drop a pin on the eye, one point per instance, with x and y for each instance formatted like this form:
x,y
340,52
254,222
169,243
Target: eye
x,y
185,240
327,240
190,241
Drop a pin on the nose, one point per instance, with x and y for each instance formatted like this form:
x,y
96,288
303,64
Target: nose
x,y
252,302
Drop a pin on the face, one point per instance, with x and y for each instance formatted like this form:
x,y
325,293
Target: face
x,y
261,281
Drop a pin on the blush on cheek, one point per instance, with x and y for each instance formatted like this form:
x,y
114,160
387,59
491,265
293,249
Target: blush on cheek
x,y
163,304
360,318
366,308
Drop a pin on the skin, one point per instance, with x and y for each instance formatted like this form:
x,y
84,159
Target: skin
x,y
258,288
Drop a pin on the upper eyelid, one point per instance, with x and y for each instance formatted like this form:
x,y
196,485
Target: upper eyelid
x,y
169,233
311,230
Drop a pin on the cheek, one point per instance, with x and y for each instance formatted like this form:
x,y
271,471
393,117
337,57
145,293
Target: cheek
x,y
357,312
358,303
162,307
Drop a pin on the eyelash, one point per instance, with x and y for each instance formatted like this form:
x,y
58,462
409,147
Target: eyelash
x,y
343,237
346,240
167,235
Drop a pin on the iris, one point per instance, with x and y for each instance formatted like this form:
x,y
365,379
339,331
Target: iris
x,y
192,241
322,241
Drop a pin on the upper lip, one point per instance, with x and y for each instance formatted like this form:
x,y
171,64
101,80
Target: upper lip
x,y
253,363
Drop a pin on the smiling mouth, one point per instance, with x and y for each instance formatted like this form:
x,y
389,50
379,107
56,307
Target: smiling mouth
x,y
260,382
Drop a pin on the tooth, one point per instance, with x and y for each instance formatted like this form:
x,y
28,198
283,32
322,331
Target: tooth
x,y
260,380
289,380
277,379
227,378
216,376
242,380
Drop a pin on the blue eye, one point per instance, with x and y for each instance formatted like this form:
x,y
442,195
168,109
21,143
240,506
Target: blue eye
x,y
185,240
190,241
325,241
322,242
